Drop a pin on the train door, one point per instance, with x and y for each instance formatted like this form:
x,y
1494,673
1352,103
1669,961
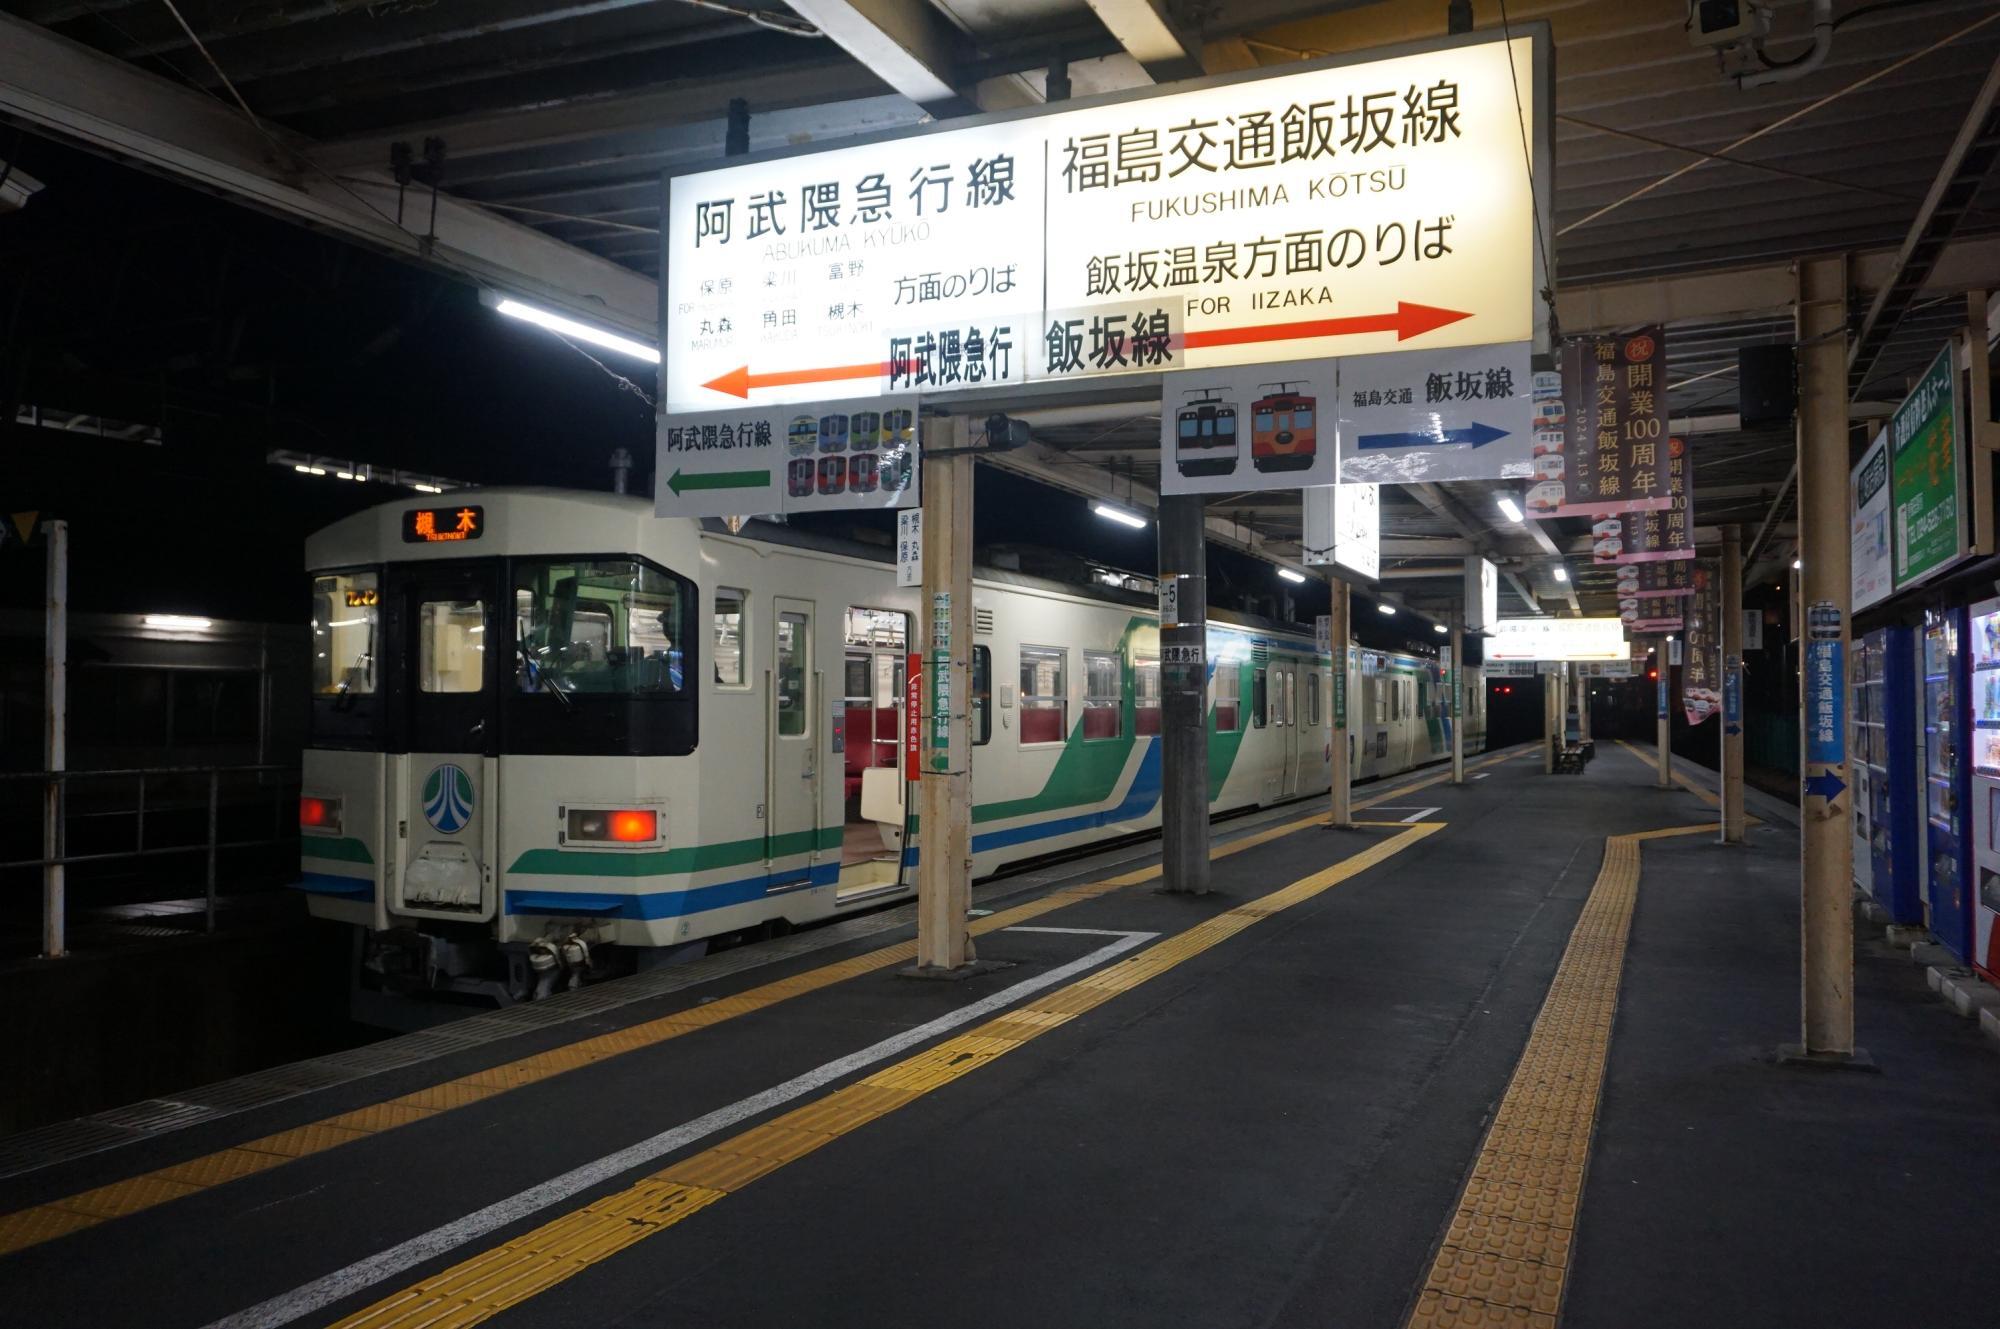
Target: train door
x,y
873,665
1285,726
444,785
791,786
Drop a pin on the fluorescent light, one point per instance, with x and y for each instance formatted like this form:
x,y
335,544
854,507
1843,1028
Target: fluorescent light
x,y
1509,508
1562,573
1385,609
422,488
1290,575
344,475
1439,627
302,468
1123,516
1797,564
583,332
316,470
178,622
1670,636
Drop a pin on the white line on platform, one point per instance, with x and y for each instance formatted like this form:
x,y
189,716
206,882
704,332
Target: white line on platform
x,y
1415,813
323,1292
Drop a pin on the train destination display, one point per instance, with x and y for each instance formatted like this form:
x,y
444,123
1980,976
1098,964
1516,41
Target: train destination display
x,y
1350,207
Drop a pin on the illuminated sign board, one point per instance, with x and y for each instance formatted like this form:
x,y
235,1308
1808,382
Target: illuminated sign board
x,y
364,599
443,525
1349,206
1558,639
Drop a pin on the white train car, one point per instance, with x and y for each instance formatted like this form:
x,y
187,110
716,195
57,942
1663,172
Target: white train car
x,y
551,733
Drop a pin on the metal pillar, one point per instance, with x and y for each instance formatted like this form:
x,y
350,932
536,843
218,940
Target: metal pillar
x,y
1582,706
1340,629
1826,831
1663,702
1551,725
1458,698
944,806
55,735
1732,685
1183,566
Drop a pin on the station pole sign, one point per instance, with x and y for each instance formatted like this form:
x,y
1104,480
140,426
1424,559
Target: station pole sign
x,y
1348,206
913,716
1343,528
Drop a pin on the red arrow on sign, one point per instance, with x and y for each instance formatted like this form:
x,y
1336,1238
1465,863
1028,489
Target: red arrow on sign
x,y
1406,322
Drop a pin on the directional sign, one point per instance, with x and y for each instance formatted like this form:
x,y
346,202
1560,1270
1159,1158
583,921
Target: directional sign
x,y
1343,528
1425,415
1557,639
787,459
1352,205
1246,427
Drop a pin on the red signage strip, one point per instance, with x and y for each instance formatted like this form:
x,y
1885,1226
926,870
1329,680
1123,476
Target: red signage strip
x,y
913,717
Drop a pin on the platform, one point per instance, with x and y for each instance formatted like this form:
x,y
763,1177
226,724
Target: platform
x,y
1504,1054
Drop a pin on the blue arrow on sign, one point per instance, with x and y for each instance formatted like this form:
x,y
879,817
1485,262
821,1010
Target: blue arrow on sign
x,y
1475,435
1825,785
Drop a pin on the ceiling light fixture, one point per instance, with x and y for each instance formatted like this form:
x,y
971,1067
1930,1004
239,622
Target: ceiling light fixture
x,y
1509,508
1385,609
1123,516
179,622
1290,575
583,332
1562,573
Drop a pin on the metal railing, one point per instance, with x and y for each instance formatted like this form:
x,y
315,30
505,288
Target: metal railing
x,y
55,787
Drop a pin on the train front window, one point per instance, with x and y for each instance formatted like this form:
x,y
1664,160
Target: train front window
x,y
451,645
605,626
345,620
1303,418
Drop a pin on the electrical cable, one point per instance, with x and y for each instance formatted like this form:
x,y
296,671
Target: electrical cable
x,y
1840,23
1548,291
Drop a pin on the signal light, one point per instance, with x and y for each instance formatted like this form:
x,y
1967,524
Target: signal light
x,y
1652,673
319,814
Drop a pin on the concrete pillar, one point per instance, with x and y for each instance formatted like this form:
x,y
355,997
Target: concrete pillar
x,y
944,798
1458,698
1340,634
1184,696
1826,832
1663,711
1732,685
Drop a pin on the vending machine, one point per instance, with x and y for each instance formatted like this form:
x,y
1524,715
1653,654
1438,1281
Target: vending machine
x,y
1948,842
1983,629
1886,845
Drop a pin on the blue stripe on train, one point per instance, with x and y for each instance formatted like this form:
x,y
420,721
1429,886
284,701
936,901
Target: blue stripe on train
x,y
332,883
644,905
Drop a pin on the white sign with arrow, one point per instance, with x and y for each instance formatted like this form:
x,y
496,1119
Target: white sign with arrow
x,y
762,460
1460,414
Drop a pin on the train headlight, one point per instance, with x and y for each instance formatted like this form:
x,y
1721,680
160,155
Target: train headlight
x,y
611,826
319,814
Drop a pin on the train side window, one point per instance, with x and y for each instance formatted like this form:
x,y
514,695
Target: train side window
x,y
450,655
1145,695
344,625
1228,698
791,675
982,696
1259,699
1312,699
1378,690
731,653
1103,695
1044,694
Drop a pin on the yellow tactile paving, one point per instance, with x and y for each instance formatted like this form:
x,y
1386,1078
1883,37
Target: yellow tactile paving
x,y
128,1197
464,1294
25,1228
1506,1249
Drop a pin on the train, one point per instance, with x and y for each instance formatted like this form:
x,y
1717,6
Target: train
x,y
585,739
1283,435
1205,440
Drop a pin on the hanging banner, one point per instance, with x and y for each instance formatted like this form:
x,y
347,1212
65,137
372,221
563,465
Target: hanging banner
x,y
1701,672
1926,474
758,460
1350,205
1424,415
1657,535
1871,573
1223,431
1602,448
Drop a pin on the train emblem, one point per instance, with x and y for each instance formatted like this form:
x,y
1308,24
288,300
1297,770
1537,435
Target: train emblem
x,y
448,799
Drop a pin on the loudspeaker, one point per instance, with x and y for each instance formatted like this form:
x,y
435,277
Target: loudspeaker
x,y
1768,387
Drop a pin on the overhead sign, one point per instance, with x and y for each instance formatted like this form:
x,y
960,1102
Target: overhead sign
x,y
1426,415
1927,490
1557,639
1482,594
1871,574
781,459
1607,434
1246,427
1343,528
1353,205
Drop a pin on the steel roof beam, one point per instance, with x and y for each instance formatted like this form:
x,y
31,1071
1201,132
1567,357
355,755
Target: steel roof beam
x,y
908,44
1152,36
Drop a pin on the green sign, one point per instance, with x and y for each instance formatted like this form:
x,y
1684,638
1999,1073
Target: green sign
x,y
1340,695
1926,489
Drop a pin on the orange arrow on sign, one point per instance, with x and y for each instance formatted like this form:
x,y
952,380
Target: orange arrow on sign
x,y
1408,321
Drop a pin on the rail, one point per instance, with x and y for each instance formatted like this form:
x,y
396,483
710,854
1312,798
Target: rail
x,y
56,786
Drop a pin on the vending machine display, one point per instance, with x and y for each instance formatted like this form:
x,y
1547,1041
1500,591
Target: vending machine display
x,y
1887,824
1865,696
1946,679
1984,633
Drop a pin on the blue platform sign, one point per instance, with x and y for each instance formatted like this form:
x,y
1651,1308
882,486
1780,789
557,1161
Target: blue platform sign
x,y
1663,689
1826,704
1732,698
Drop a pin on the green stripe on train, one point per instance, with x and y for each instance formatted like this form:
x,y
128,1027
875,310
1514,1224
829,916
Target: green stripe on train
x,y
664,862
346,849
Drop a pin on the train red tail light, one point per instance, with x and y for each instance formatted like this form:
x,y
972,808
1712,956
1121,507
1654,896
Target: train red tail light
x,y
319,814
611,825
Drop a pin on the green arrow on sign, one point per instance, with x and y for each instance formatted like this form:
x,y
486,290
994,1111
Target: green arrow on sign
x,y
680,482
